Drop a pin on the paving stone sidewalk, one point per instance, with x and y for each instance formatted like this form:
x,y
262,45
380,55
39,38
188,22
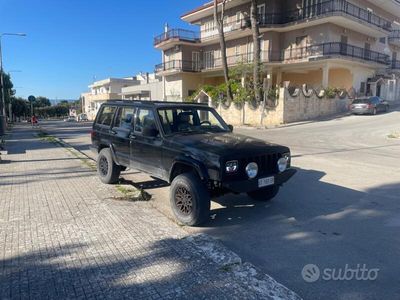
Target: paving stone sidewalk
x,y
64,235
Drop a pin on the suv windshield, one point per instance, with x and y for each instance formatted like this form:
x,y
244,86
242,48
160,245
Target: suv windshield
x,y
191,120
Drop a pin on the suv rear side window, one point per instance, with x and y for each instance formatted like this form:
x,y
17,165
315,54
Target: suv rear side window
x,y
124,117
144,118
106,116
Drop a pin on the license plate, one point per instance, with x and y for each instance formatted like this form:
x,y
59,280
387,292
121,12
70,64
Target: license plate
x,y
262,182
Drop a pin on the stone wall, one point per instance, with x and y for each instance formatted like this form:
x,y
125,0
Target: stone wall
x,y
302,105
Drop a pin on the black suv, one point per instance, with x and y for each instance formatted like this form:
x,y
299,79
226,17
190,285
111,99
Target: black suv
x,y
192,148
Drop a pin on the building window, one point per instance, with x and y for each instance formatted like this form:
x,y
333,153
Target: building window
x,y
237,50
363,88
209,26
382,40
238,17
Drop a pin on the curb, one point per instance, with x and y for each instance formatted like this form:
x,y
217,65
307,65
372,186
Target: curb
x,y
259,284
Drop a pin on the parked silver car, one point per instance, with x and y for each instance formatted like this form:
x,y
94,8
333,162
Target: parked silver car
x,y
371,105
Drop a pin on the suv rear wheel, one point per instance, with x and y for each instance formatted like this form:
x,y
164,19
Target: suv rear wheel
x,y
189,199
107,169
265,194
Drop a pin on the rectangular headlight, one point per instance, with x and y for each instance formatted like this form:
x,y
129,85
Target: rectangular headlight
x,y
231,166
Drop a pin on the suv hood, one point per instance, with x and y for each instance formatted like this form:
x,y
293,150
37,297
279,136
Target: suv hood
x,y
226,144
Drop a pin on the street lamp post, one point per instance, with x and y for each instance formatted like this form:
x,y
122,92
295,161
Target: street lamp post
x,y
3,100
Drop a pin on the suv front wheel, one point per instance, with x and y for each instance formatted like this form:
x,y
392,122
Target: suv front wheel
x,y
190,200
107,169
265,194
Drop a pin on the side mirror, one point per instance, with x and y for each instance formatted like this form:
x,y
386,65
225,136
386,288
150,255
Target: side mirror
x,y
230,127
149,131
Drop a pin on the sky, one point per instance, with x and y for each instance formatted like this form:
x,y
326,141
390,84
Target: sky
x,y
71,42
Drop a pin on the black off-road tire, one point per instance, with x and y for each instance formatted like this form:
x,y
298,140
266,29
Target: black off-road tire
x,y
265,194
107,169
190,200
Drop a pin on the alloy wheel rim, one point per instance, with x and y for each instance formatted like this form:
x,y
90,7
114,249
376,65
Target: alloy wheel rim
x,y
184,200
103,166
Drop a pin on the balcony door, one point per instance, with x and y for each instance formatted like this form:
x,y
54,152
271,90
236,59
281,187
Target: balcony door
x,y
196,61
343,44
367,51
394,59
209,59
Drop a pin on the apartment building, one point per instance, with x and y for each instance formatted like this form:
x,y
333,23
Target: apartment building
x,y
102,91
352,44
149,87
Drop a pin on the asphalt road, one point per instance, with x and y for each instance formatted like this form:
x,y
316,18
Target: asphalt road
x,y
341,210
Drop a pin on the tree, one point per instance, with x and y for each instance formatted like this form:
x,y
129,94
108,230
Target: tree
x,y
42,102
8,90
257,51
20,107
219,22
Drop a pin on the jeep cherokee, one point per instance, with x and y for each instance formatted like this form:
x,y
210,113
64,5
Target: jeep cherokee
x,y
192,148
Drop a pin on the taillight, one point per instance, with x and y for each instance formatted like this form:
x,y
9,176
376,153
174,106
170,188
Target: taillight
x,y
92,133
370,106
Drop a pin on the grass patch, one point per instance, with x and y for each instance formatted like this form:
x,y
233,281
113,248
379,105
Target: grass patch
x,y
394,135
130,193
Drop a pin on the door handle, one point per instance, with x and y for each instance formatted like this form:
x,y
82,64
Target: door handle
x,y
113,132
132,137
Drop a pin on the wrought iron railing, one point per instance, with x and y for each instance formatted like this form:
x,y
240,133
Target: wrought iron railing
x,y
319,51
394,36
178,65
326,8
181,34
395,64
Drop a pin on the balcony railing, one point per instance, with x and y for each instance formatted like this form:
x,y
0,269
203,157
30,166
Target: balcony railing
x,y
334,48
394,36
291,55
327,8
180,34
395,64
178,65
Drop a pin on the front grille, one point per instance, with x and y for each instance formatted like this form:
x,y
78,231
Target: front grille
x,y
267,165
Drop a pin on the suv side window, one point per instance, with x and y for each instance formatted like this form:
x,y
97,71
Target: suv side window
x,y
144,118
106,115
124,118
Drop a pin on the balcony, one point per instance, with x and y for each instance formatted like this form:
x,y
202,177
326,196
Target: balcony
x,y
176,66
327,50
177,35
287,56
395,64
330,8
394,37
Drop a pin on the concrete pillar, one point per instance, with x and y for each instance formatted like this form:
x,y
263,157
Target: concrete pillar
x,y
325,76
278,78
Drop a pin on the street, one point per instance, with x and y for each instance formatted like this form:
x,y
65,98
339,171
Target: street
x,y
340,209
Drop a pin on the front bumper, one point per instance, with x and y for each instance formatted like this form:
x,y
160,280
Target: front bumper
x,y
252,184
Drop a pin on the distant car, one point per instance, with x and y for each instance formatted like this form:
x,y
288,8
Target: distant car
x,y
82,118
69,119
371,105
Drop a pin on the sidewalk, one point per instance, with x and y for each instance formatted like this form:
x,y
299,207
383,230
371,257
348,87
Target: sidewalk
x,y
64,235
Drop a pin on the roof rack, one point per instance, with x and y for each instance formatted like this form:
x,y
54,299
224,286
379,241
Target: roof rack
x,y
153,102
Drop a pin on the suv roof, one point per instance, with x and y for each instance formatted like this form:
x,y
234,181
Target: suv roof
x,y
153,103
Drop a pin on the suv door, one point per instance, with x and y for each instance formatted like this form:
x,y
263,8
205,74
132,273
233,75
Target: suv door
x,y
121,130
103,124
146,151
